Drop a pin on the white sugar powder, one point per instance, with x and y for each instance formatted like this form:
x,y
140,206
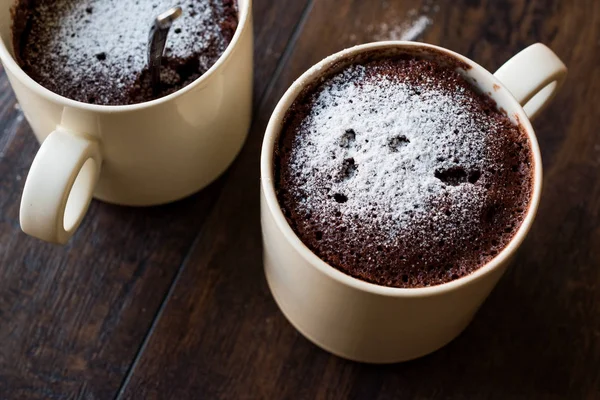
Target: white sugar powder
x,y
411,31
370,150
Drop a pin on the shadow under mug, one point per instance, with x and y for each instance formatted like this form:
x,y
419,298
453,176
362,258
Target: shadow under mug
x,y
365,322
143,154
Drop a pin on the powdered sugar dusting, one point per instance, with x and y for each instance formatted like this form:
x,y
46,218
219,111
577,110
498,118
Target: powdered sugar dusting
x,y
109,37
382,150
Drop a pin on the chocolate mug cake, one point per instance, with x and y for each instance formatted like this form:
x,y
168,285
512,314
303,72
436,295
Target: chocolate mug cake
x,y
96,51
396,171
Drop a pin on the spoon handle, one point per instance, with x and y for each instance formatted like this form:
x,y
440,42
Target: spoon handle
x,y
157,41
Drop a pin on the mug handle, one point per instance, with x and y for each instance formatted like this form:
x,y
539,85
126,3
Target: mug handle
x,y
533,76
59,186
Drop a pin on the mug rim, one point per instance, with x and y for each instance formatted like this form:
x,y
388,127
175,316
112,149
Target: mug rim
x,y
11,64
268,188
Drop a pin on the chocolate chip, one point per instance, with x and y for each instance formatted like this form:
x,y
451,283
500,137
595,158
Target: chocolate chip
x,y
347,138
474,176
348,170
340,198
396,142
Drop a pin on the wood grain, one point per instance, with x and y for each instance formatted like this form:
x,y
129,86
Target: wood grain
x,y
221,336
73,318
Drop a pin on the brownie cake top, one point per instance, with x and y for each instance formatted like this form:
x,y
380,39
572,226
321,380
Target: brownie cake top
x,y
399,173
96,51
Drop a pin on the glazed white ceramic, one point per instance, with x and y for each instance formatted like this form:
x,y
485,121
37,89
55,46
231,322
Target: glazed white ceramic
x,y
143,154
365,322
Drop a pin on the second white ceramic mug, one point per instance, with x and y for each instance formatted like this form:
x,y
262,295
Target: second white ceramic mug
x,y
365,322
143,154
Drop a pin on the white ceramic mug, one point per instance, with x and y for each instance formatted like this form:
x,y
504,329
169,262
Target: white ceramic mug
x,y
143,154
365,322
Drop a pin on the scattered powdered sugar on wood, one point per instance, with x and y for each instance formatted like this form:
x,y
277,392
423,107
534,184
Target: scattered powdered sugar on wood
x,y
110,37
409,26
382,151
410,30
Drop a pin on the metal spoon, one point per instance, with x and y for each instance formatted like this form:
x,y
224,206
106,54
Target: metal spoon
x,y
157,41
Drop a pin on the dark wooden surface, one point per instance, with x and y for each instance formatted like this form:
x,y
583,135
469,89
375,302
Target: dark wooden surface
x,y
171,303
